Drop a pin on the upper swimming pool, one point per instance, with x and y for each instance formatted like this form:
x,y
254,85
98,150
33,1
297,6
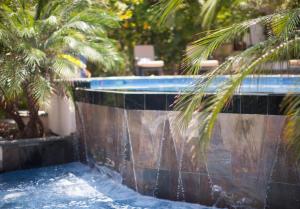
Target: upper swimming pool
x,y
274,84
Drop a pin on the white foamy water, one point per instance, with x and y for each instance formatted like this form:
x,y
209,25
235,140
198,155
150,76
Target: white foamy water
x,y
74,186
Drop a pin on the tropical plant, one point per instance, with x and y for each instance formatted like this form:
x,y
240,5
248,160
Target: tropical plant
x,y
38,43
139,27
220,13
282,43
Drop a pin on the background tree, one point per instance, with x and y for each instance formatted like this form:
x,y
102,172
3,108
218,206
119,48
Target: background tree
x,y
38,40
138,26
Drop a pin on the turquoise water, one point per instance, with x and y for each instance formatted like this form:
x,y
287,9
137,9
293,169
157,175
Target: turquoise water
x,y
278,84
74,186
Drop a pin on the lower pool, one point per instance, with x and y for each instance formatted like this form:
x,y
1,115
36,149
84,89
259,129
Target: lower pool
x,y
74,185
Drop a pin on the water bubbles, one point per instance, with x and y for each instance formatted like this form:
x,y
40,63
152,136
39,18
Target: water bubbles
x,y
77,186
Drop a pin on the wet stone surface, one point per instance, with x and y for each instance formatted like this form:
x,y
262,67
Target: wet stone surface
x,y
246,165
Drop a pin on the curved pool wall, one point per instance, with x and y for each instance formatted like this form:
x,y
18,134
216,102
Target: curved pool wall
x,y
129,124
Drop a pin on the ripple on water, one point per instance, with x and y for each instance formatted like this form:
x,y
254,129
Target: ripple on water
x,y
74,186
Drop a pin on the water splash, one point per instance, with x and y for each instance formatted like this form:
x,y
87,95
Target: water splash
x,y
75,185
111,174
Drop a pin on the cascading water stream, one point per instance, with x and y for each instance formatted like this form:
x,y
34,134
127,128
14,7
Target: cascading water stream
x,y
131,149
180,187
162,139
271,172
81,120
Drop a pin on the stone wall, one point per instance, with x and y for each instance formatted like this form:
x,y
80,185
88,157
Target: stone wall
x,y
247,164
37,152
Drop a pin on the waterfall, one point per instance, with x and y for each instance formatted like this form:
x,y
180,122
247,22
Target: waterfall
x,y
131,149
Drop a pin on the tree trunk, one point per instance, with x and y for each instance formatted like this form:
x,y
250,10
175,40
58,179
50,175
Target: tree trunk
x,y
11,110
14,114
34,128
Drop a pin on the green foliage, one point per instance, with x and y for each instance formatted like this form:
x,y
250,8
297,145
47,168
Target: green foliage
x,y
34,44
40,40
282,43
139,26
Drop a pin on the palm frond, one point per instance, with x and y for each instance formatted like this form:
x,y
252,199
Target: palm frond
x,y
291,108
283,23
202,48
41,89
12,78
166,8
64,68
34,57
212,105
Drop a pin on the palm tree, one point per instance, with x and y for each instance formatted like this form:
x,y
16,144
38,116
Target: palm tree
x,y
207,14
39,40
211,8
282,43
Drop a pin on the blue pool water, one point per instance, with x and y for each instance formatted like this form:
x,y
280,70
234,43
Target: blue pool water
x,y
279,84
74,186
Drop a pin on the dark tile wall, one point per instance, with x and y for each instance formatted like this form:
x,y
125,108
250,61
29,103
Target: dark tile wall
x,y
245,104
247,164
30,153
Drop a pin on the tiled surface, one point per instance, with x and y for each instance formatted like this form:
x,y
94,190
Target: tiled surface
x,y
245,104
32,153
156,157
283,196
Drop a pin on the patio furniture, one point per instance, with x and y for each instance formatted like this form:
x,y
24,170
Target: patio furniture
x,y
294,65
282,67
145,62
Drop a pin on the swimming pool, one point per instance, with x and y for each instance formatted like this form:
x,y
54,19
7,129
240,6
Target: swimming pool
x,y
130,125
279,84
74,186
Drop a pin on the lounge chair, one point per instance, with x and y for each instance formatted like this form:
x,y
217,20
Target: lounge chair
x,y
145,62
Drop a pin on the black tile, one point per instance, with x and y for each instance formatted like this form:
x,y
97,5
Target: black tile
x,y
274,102
163,189
81,84
84,96
283,196
156,101
149,181
31,156
77,95
47,150
135,101
98,98
191,183
108,99
171,99
95,95
253,104
119,100
234,105
89,97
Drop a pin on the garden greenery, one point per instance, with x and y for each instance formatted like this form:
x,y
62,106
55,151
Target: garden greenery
x,y
38,40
